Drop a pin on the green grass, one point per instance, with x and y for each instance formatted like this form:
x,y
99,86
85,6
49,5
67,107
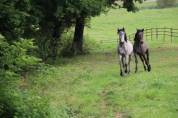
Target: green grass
x,y
89,86
104,27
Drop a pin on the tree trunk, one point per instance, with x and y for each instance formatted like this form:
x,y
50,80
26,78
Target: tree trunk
x,y
56,35
77,46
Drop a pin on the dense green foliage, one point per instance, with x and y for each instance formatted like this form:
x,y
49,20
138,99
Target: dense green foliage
x,y
16,57
46,20
17,101
15,60
16,20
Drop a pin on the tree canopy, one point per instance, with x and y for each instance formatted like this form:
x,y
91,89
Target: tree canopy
x,y
46,20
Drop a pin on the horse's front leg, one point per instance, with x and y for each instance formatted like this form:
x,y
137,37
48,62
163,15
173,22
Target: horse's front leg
x,y
136,62
121,65
130,56
148,62
127,64
142,57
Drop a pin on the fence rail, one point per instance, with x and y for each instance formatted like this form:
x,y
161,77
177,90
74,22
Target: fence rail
x,y
151,33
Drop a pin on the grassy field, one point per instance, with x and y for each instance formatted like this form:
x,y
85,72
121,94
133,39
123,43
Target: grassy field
x,y
89,86
105,27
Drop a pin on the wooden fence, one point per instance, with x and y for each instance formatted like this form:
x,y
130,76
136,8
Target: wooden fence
x,y
155,33
164,34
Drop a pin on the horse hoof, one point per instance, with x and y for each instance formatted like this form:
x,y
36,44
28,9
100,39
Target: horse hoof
x,y
145,68
149,68
121,74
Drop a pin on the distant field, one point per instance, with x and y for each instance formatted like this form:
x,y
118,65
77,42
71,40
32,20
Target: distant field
x,y
104,27
89,86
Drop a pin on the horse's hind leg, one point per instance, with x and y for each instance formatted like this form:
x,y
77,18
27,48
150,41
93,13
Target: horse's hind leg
x,y
142,57
148,63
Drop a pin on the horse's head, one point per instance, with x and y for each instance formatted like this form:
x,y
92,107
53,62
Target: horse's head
x,y
139,35
122,35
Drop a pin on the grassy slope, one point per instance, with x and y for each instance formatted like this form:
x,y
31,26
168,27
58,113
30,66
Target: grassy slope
x,y
90,86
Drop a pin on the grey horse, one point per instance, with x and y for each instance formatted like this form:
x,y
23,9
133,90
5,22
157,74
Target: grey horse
x,y
141,49
125,49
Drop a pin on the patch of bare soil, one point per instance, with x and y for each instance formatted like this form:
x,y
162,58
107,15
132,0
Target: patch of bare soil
x,y
118,115
104,105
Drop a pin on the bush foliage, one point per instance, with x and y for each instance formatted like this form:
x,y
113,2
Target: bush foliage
x,y
15,56
20,103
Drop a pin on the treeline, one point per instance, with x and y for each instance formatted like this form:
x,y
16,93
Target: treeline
x,y
166,3
31,32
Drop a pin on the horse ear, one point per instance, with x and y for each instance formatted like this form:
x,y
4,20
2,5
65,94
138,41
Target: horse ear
x,y
123,29
118,30
142,30
125,37
135,38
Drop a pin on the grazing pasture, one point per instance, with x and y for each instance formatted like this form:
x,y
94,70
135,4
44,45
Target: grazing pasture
x,y
90,86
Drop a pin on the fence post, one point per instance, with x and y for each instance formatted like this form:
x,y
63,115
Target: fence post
x,y
171,34
164,33
146,33
129,37
151,34
156,33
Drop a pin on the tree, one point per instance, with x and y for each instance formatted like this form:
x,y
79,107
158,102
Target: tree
x,y
15,19
54,17
85,9
130,6
46,20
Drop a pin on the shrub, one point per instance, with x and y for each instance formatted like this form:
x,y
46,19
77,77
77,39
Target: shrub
x,y
15,56
66,45
17,102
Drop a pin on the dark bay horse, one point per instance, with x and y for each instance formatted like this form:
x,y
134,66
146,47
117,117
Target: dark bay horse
x,y
141,49
124,50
